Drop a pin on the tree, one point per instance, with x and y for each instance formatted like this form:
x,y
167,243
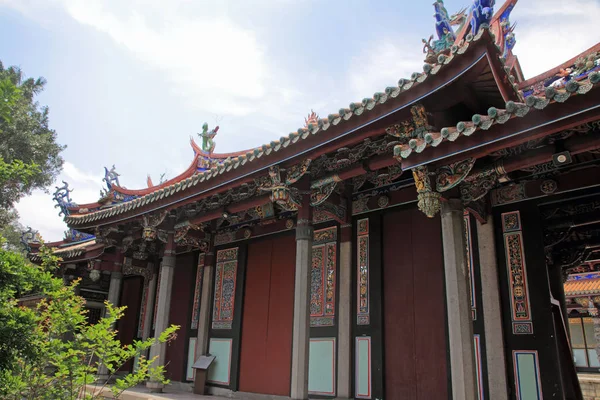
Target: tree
x,y
50,351
29,155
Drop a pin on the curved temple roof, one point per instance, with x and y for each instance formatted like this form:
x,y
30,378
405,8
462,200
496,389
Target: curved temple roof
x,y
492,44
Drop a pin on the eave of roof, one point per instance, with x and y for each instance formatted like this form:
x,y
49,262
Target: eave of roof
x,y
344,115
582,287
496,116
70,252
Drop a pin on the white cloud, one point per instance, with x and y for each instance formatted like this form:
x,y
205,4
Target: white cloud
x,y
550,32
382,65
216,64
38,210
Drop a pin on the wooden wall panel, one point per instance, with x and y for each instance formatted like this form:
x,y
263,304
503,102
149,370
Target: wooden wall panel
x,y
131,296
181,298
414,307
429,307
253,355
281,314
266,345
398,304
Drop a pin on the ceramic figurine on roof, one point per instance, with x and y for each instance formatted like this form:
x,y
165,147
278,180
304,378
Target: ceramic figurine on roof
x,y
442,21
445,33
312,119
507,30
208,144
111,177
481,14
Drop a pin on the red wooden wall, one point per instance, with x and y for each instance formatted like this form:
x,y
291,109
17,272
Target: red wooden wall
x,y
266,340
413,307
131,296
179,314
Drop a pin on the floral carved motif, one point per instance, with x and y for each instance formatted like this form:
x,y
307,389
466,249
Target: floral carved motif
x,y
323,277
363,306
225,282
197,291
451,175
517,273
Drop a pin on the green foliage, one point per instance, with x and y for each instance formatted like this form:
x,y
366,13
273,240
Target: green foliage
x,y
14,178
11,229
9,96
50,351
30,157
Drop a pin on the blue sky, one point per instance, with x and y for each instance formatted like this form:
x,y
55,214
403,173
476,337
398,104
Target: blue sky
x,y
130,80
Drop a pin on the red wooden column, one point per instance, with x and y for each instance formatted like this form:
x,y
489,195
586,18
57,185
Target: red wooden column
x,y
301,338
167,270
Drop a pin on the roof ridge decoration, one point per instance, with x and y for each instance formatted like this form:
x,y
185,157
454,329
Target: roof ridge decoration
x,y
584,65
323,124
30,237
111,177
63,200
312,119
445,33
208,143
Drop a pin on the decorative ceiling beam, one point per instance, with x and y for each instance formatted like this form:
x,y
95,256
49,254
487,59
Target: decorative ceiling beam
x,y
449,176
544,187
250,203
212,215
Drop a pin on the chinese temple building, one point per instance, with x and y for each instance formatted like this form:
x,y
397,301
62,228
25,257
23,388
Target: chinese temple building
x,y
414,245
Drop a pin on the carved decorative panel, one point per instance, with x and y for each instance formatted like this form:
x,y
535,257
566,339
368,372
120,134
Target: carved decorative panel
x,y
323,277
225,280
517,273
197,292
363,311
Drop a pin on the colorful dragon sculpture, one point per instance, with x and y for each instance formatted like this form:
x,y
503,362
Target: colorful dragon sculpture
x,y
480,14
208,144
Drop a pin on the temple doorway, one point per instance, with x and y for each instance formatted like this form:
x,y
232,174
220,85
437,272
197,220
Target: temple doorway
x,y
266,340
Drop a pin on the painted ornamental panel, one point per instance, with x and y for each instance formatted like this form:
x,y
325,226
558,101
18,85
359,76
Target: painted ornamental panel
x,y
197,292
225,279
323,277
363,313
517,273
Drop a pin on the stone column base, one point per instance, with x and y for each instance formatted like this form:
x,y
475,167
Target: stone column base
x,y
102,378
154,387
